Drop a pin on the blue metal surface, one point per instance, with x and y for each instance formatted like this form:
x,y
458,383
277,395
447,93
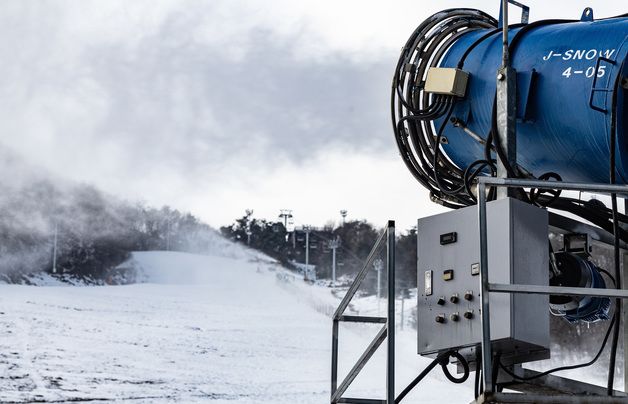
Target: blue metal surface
x,y
591,309
566,75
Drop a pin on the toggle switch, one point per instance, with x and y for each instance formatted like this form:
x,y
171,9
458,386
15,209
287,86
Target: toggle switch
x,y
454,317
454,298
468,295
468,314
440,318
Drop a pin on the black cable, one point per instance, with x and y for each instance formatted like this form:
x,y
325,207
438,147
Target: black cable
x,y
443,360
452,192
514,43
615,340
570,367
478,370
465,368
495,366
536,192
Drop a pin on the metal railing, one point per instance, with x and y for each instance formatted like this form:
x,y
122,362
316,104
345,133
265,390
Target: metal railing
x,y
487,287
387,332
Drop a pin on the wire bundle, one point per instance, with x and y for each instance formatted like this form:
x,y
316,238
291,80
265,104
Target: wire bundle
x,y
414,111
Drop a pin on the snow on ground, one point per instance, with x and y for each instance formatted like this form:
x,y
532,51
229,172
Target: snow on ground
x,y
202,329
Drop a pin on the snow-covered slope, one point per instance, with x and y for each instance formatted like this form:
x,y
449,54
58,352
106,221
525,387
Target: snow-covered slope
x,y
201,329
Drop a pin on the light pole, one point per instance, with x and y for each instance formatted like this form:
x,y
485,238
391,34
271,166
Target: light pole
x,y
285,214
168,234
248,234
379,264
334,244
54,249
248,231
343,213
307,249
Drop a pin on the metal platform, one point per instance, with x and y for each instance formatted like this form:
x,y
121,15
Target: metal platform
x,y
544,389
505,398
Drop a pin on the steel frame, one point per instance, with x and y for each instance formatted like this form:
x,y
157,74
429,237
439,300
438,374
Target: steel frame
x,y
490,395
387,332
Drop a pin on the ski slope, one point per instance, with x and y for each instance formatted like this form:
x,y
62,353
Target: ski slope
x,y
233,330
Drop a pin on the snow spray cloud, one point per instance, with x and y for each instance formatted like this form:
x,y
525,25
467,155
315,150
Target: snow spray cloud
x,y
95,232
135,95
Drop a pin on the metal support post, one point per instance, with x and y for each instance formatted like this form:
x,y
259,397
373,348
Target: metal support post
x,y
506,110
487,356
334,356
390,366
624,320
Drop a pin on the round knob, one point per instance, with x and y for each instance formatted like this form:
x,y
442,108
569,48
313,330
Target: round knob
x,y
454,298
468,315
468,295
454,317
440,318
441,301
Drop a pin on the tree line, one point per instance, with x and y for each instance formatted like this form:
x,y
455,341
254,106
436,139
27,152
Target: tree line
x,y
94,232
356,239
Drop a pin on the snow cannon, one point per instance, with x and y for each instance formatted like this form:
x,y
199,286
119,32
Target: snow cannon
x,y
496,120
507,125
571,107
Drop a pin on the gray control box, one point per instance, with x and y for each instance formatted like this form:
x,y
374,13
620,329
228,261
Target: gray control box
x,y
449,282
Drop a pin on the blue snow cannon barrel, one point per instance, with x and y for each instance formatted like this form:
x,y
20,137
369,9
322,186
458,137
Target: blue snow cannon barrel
x,y
572,85
567,78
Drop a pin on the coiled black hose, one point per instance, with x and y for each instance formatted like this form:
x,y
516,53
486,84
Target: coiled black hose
x,y
443,360
414,111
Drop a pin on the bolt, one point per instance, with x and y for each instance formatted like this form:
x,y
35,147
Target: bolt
x,y
500,76
441,301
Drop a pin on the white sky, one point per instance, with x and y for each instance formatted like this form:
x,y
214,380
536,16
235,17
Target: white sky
x,y
221,105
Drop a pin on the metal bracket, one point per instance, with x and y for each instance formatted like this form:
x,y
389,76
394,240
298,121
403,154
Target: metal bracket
x,y
594,89
577,243
525,13
587,15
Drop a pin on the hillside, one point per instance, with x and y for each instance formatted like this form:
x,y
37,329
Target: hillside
x,y
201,329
